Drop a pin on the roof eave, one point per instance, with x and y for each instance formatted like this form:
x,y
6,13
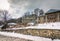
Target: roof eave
x,y
51,12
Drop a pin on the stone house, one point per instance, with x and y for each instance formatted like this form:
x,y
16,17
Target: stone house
x,y
41,19
29,18
52,16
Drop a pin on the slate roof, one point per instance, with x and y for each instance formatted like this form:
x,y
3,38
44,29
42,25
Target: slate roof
x,y
52,10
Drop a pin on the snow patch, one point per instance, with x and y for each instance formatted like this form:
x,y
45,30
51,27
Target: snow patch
x,y
34,38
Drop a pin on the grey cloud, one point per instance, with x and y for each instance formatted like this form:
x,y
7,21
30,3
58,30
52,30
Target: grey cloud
x,y
51,4
32,4
37,3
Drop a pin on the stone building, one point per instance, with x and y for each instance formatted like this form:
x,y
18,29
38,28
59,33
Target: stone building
x,y
41,19
29,18
52,16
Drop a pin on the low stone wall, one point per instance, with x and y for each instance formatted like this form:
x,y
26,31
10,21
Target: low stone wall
x,y
40,32
48,33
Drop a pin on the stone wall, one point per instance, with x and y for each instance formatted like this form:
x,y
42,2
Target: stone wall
x,y
41,32
48,33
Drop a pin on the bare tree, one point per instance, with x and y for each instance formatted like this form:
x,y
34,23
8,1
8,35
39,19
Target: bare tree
x,y
26,13
4,13
41,12
36,11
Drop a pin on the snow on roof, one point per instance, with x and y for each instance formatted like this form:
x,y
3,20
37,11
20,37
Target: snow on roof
x,y
11,23
1,26
52,10
31,23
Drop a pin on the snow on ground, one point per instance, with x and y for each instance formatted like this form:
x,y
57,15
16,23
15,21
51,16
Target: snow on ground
x,y
29,37
56,40
34,38
55,25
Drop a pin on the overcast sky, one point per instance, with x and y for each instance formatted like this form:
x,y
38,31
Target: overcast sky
x,y
18,7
